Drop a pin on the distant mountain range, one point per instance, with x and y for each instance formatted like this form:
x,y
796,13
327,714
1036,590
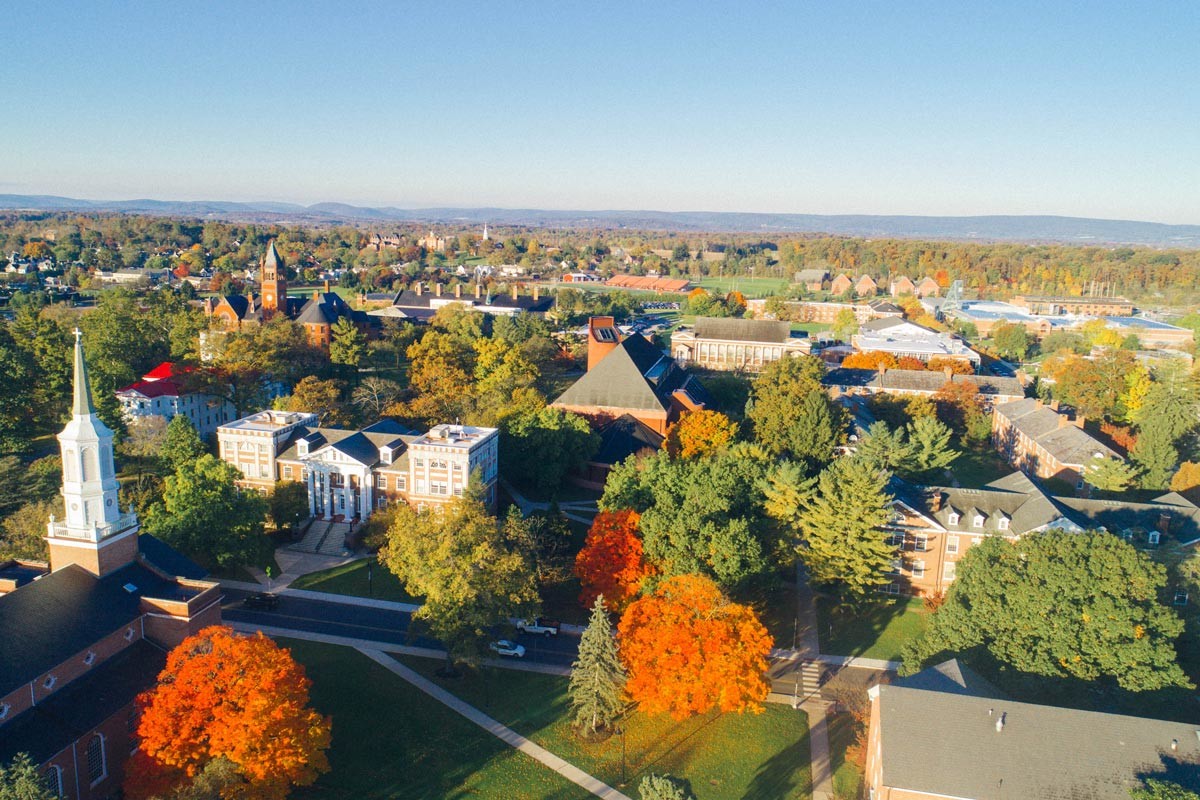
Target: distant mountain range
x,y
1073,230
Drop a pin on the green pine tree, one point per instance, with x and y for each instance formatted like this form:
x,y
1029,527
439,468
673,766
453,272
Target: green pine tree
x,y
929,445
663,787
885,447
1111,475
597,677
841,526
20,780
1155,453
181,444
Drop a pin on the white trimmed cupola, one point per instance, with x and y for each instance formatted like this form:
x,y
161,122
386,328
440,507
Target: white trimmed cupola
x,y
95,534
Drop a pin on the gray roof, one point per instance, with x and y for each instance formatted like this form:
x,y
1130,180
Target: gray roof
x,y
947,743
883,323
325,308
918,380
1067,443
743,330
953,677
635,375
811,275
1014,498
623,437
1181,521
363,446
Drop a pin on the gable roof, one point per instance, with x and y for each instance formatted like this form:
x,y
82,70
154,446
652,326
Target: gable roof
x,y
1017,500
1039,753
1119,516
324,309
950,676
1067,443
743,330
918,380
150,389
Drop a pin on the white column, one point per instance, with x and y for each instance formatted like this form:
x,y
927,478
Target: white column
x,y
312,492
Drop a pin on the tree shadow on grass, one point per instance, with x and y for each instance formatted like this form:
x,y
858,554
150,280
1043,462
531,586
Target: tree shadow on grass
x,y
778,776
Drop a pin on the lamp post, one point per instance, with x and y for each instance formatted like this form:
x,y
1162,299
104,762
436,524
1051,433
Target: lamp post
x,y
370,580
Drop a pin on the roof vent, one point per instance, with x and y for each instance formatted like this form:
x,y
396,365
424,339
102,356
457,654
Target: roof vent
x,y
131,588
1000,722
1174,744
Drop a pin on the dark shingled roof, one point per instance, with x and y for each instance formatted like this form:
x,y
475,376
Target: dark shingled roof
x,y
1067,443
1013,498
1120,516
169,560
623,437
83,704
947,743
743,330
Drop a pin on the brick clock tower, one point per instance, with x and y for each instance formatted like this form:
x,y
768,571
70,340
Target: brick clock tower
x,y
274,285
96,535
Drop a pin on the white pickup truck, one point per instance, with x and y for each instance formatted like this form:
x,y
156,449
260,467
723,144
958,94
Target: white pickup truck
x,y
546,627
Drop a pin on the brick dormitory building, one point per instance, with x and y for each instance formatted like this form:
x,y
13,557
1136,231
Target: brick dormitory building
x,y
82,636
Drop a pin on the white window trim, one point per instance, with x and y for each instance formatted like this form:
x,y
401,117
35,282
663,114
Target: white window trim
x,y
1002,523
918,568
49,683
90,658
1154,538
952,519
4,709
952,544
978,521
920,542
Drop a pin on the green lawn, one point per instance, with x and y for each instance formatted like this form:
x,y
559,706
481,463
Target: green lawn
x,y
750,287
352,579
811,327
979,466
723,755
390,741
878,631
847,776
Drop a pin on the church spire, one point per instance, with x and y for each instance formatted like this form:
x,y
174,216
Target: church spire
x,y
82,406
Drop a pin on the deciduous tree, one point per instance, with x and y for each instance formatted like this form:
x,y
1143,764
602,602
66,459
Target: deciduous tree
x,y
541,446
597,687
1162,790
180,444
1060,604
287,505
316,396
470,576
242,699
611,563
688,649
1011,341
1187,479
700,433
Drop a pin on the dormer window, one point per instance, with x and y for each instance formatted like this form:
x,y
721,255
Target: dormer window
x,y
952,519
302,447
1003,523
978,521
385,455
1154,537
49,682
129,634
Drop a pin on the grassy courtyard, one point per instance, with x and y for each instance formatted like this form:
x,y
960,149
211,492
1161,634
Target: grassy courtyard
x,y
390,741
876,631
352,579
722,755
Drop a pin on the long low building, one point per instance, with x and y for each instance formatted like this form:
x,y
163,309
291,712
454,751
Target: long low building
x,y
993,390
736,344
901,338
1038,440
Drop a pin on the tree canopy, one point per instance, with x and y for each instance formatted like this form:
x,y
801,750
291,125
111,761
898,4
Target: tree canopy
x,y
611,563
791,413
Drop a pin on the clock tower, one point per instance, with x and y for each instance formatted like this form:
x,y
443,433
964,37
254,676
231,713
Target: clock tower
x,y
274,284
96,535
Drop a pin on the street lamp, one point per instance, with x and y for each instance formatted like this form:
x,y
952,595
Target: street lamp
x,y
370,580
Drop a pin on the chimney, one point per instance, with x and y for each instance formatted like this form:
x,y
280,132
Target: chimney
x,y
537,290
1000,721
515,289
1164,523
417,288
935,502
1063,420
949,373
326,287
437,289
316,295
1079,420
1053,404
458,290
603,337
478,290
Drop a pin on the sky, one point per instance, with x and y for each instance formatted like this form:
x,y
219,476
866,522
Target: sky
x,y
955,107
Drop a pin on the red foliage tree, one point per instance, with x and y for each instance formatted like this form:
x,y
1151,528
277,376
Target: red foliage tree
x,y
956,366
611,562
243,699
688,650
910,362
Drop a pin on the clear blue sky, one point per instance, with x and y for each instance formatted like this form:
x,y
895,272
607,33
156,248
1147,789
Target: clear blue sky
x,y
954,107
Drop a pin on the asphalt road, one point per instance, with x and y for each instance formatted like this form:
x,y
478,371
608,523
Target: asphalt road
x,y
380,625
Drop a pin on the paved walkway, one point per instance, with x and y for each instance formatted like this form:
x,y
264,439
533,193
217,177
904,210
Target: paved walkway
x,y
818,744
502,732
579,510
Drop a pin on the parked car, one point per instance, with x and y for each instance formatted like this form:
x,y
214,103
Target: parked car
x,y
262,601
546,627
506,648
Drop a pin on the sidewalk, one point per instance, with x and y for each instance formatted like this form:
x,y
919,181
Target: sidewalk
x,y
818,743
504,733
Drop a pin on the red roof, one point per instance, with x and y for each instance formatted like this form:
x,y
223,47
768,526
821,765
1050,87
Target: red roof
x,y
158,388
167,369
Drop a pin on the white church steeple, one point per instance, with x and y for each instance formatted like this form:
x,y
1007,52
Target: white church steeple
x,y
95,534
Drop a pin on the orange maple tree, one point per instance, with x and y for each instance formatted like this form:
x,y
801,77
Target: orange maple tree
x,y
611,562
700,433
910,362
243,699
872,359
688,650
956,365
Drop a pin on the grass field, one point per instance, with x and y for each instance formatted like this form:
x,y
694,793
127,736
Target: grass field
x,y
390,741
879,631
979,466
750,287
722,755
351,579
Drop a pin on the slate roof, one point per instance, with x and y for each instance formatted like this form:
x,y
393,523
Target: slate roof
x,y
45,622
1119,516
1066,443
946,743
743,330
952,677
1014,498
83,704
325,308
169,560
623,437
883,323
811,275
362,445
635,375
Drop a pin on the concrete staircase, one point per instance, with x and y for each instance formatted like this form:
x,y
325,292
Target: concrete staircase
x,y
313,537
334,542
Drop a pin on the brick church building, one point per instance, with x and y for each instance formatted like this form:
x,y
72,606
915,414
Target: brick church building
x,y
318,315
82,636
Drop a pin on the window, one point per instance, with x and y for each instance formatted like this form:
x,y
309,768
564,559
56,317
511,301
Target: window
x,y
976,539
5,707
949,570
50,681
951,544
287,473
920,542
918,569
96,766
895,538
262,471
952,519
53,778
891,588
1180,599
978,521
400,482
1154,537
381,482
895,570
418,462
1002,523
129,634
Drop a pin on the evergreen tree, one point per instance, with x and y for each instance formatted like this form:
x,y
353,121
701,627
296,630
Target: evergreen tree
x,y
1111,475
929,445
1163,790
841,527
347,344
884,447
1155,453
597,676
791,413
181,445
663,787
20,780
